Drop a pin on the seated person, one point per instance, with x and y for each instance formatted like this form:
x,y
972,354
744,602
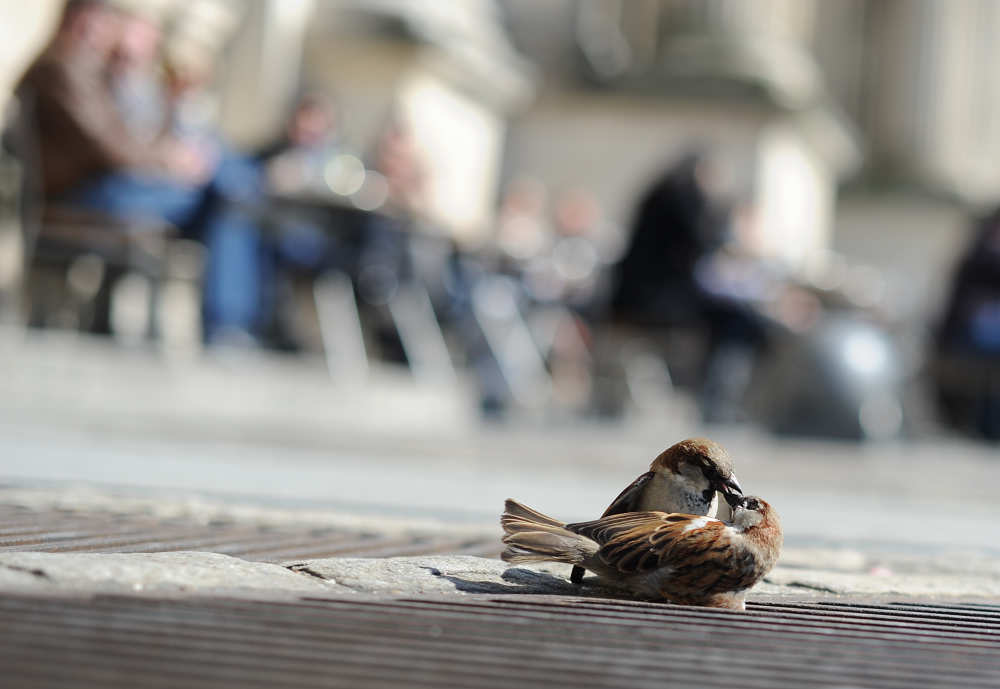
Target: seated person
x,y
674,274
92,155
969,334
295,165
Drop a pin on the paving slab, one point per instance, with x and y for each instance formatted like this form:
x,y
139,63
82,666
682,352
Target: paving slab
x,y
101,540
153,573
196,573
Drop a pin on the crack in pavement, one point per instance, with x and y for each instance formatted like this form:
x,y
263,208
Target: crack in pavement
x,y
35,572
302,568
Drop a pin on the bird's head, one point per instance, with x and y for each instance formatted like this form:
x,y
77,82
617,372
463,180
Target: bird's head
x,y
751,511
759,522
705,464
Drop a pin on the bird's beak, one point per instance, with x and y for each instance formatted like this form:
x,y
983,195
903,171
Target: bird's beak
x,y
731,490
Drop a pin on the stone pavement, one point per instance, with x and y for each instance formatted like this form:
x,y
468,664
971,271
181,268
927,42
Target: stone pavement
x,y
196,573
804,572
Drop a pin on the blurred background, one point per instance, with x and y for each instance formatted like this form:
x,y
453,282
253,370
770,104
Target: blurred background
x,y
413,257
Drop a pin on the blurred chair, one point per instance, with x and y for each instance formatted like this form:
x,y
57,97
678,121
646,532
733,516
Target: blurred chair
x,y
340,326
393,276
497,311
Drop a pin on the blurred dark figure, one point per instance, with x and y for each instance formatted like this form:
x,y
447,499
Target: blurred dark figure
x,y
968,339
106,145
308,140
667,279
384,260
301,244
399,160
82,132
675,224
295,165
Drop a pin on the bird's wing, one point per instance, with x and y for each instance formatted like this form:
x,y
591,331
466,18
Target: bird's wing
x,y
628,499
642,541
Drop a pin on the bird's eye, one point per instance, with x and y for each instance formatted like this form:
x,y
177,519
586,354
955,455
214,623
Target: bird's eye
x,y
752,504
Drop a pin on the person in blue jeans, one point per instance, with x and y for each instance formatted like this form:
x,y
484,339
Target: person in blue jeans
x,y
220,214
92,155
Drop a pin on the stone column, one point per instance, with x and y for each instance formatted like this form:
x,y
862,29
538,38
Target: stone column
x,y
934,93
262,75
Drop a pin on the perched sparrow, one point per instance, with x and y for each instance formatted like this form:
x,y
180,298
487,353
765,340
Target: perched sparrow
x,y
682,558
684,478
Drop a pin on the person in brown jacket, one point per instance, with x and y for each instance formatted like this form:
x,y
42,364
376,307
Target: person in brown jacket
x,y
79,128
89,157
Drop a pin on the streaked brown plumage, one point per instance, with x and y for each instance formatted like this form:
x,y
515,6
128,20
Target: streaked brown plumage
x,y
682,558
684,479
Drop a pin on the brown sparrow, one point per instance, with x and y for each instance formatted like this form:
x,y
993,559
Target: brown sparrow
x,y
681,558
684,478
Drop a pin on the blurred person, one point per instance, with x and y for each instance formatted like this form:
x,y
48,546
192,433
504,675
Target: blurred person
x,y
548,249
301,243
296,159
523,227
295,165
384,260
575,255
135,72
677,221
240,274
81,130
399,160
972,316
576,265
969,333
193,39
101,154
669,276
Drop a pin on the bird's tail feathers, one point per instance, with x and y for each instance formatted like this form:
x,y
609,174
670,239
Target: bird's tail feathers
x,y
531,536
513,509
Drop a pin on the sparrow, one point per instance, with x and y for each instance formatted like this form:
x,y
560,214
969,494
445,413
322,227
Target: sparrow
x,y
681,558
684,478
